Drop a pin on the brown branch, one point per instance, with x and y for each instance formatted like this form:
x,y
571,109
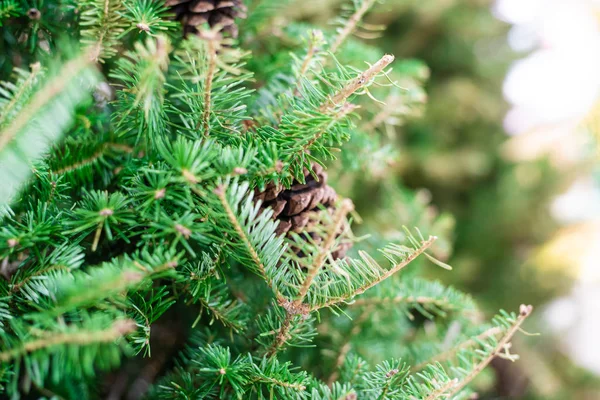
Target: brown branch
x,y
297,307
117,330
351,25
524,312
358,83
282,335
424,246
324,251
211,39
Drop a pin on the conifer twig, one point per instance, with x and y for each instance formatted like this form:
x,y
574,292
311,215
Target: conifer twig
x,y
360,81
17,286
26,85
211,38
43,97
465,345
442,390
297,307
93,158
524,312
351,25
117,330
424,246
338,219
220,192
315,39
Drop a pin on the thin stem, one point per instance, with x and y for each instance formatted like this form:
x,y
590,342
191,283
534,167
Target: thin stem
x,y
282,335
297,307
316,39
424,246
97,236
117,330
358,83
351,25
524,312
325,250
465,345
210,75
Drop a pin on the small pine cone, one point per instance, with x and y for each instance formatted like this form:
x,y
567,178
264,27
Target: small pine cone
x,y
297,208
194,13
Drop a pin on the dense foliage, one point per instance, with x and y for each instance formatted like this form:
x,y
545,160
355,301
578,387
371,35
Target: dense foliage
x,y
137,234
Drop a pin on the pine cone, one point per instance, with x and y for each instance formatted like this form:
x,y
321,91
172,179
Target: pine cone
x,y
194,13
297,208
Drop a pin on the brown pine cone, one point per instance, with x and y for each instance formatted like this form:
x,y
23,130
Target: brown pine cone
x,y
297,208
194,13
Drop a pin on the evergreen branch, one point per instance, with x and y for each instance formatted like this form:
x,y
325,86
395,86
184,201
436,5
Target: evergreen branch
x,y
357,83
424,246
441,392
430,298
78,338
226,315
20,92
93,158
211,49
449,354
340,216
103,24
350,26
246,240
42,121
205,288
209,89
43,97
297,307
315,41
524,312
44,271
282,335
279,376
220,192
148,16
142,73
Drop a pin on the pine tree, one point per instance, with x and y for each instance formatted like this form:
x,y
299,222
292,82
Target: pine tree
x,y
131,231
